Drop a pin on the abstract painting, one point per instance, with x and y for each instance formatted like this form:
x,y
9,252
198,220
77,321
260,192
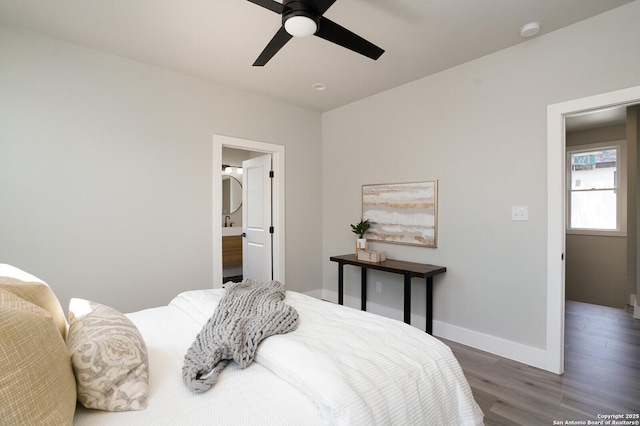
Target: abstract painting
x,y
402,213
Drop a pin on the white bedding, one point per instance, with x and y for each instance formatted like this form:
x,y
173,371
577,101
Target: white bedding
x,y
341,366
238,398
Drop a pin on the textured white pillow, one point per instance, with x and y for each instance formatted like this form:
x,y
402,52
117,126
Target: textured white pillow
x,y
109,358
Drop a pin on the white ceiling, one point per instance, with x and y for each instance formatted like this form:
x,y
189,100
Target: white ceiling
x,y
218,40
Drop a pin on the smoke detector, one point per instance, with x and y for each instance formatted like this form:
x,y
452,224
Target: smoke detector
x,y
530,29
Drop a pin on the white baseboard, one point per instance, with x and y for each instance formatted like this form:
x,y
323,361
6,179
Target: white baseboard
x,y
529,355
636,311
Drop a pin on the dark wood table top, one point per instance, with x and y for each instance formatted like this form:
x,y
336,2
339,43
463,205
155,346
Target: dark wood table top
x,y
419,270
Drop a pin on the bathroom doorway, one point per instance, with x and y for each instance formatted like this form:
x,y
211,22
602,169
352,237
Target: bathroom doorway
x,y
250,149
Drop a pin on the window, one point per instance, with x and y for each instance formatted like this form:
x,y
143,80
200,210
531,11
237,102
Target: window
x,y
596,189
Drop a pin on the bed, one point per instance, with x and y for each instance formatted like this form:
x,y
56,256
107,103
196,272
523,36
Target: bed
x,y
340,366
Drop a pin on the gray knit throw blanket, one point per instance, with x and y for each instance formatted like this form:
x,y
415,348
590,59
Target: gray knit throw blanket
x,y
247,313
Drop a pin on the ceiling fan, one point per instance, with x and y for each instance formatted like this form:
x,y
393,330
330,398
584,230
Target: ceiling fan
x,y
302,18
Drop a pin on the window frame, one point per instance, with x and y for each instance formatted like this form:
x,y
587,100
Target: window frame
x,y
621,199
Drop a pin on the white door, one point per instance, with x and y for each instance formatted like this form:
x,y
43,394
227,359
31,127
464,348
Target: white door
x,y
256,219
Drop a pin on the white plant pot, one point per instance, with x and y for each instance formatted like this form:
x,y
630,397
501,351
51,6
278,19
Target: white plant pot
x,y
361,243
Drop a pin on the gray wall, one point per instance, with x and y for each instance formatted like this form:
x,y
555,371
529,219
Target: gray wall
x,y
596,270
106,172
481,130
597,266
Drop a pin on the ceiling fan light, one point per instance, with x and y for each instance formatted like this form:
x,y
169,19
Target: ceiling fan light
x,y
300,26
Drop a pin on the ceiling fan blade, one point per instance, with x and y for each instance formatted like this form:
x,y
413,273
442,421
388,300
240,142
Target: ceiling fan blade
x,y
280,39
334,33
320,6
269,4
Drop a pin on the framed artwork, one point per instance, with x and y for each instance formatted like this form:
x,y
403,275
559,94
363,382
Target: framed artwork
x,y
402,213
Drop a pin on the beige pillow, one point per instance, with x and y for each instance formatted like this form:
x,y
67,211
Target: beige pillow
x,y
33,290
109,358
36,380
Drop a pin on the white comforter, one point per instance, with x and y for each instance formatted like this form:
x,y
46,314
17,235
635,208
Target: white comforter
x,y
340,367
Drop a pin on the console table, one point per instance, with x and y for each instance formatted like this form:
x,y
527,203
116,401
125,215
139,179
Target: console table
x,y
407,269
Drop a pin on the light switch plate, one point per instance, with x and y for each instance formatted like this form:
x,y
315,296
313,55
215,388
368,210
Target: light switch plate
x,y
519,212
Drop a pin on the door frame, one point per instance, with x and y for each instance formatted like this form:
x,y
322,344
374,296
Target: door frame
x,y
278,206
556,213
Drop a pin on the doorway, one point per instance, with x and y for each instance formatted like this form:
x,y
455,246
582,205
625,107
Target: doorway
x,y
556,176
278,166
600,230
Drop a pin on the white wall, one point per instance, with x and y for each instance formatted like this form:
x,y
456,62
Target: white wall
x,y
480,129
106,172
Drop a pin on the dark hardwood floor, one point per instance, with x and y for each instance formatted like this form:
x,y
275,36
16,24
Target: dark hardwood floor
x,y
602,373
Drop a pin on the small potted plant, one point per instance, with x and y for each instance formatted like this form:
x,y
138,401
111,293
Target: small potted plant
x,y
360,229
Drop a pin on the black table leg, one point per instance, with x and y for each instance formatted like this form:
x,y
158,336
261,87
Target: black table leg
x,y
429,305
363,289
340,283
407,297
